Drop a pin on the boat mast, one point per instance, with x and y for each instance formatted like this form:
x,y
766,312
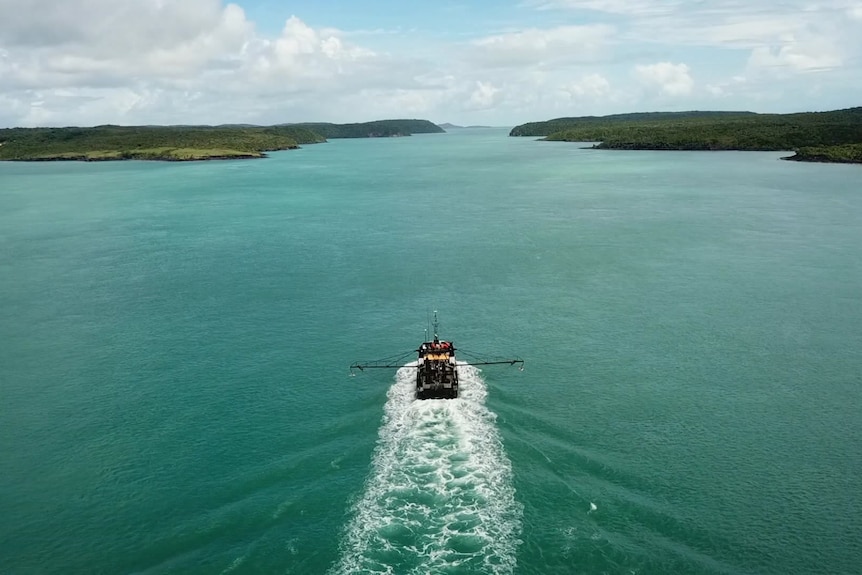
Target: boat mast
x,y
435,325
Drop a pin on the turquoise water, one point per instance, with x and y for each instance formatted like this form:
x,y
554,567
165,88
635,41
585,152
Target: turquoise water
x,y
174,343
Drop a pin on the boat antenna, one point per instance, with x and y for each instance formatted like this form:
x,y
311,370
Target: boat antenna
x,y
435,324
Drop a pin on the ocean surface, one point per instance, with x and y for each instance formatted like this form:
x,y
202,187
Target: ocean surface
x,y
175,341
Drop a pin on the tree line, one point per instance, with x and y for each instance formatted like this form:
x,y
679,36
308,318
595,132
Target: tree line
x,y
375,129
112,142
830,136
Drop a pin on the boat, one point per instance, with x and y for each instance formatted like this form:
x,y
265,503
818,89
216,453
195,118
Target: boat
x,y
436,366
436,373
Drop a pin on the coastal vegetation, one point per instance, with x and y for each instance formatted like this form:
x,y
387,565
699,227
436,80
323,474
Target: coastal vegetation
x,y
834,136
185,143
176,143
376,129
557,125
847,154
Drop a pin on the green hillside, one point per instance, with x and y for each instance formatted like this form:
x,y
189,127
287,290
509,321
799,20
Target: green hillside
x,y
376,129
148,142
180,143
549,127
820,131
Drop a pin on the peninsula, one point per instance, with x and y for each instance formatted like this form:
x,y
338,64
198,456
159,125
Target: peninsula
x,y
834,136
376,129
185,143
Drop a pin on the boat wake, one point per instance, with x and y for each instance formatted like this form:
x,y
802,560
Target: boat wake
x,y
439,498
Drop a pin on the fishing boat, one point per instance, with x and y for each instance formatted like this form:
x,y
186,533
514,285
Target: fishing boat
x,y
436,366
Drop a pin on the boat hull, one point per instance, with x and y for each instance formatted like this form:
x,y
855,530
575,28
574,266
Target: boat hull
x,y
437,378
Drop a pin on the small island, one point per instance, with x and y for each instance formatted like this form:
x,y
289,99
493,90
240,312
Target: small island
x,y
375,129
448,126
185,143
834,136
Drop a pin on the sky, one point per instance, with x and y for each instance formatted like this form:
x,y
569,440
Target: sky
x,y
488,62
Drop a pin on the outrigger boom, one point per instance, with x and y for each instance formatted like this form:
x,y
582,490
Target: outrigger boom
x,y
436,367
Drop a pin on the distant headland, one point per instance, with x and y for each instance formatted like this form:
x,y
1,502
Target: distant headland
x,y
834,136
447,126
186,143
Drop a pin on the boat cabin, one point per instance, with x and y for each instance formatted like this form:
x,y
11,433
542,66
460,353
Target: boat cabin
x,y
436,376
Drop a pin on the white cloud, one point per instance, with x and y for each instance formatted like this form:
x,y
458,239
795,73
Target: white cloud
x,y
484,96
301,56
158,56
726,88
775,47
627,7
591,86
204,61
818,31
790,41
791,57
536,47
665,78
109,28
95,43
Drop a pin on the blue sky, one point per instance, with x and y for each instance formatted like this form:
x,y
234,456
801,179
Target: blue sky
x,y
443,19
88,62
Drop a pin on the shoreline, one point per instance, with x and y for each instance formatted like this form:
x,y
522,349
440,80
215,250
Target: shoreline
x,y
802,155
131,157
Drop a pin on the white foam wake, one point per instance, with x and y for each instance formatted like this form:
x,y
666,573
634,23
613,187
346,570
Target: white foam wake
x,y
439,498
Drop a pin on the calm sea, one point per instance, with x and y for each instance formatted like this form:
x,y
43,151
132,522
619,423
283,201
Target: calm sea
x,y
175,338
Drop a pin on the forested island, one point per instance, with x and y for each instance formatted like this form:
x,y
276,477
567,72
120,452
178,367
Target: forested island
x,y
378,129
834,136
185,143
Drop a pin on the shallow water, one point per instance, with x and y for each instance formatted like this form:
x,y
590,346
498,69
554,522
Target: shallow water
x,y
174,343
